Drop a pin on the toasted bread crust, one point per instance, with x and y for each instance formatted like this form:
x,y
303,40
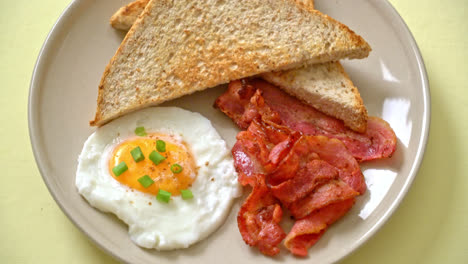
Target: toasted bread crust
x,y
101,94
124,18
306,4
190,52
327,88
354,116
357,118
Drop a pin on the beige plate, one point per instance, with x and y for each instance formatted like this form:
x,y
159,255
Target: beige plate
x,y
63,93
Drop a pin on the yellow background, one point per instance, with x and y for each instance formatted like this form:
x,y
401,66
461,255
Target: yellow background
x,y
430,226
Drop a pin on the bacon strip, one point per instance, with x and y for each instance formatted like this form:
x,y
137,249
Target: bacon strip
x,y
332,192
257,149
319,147
313,174
258,221
261,147
305,173
235,101
335,153
246,100
247,168
243,103
307,231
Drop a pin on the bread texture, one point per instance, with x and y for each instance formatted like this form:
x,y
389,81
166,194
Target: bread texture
x,y
326,87
306,4
124,18
177,47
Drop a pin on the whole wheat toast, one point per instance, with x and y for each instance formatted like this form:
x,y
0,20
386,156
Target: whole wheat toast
x,y
124,18
325,86
182,46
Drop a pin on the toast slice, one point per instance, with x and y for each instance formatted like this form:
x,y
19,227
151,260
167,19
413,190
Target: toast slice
x,y
306,4
124,18
182,46
326,87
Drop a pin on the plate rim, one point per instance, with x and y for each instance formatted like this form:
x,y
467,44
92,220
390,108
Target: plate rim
x,y
33,124
36,78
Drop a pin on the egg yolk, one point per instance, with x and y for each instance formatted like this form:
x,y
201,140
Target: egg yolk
x,y
176,153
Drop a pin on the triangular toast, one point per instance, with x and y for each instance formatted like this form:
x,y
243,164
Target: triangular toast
x,y
124,18
325,86
181,46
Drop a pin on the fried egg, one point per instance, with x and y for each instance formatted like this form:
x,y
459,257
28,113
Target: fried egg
x,y
204,166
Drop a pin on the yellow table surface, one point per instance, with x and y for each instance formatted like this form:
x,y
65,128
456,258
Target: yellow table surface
x,y
430,226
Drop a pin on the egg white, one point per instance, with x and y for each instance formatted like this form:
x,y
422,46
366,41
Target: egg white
x,y
162,226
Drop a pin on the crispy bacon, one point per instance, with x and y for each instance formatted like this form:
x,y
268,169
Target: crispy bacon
x,y
247,167
332,151
315,177
255,151
307,231
294,162
305,173
260,148
307,178
336,154
243,103
246,100
329,193
258,220
235,102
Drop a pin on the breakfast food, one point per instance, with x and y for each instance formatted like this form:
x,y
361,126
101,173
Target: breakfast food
x,y
305,174
124,18
295,158
167,173
177,181
306,4
206,43
247,99
325,86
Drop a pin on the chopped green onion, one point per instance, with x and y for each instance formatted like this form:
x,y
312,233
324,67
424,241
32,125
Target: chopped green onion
x,y
176,168
163,196
156,158
146,181
140,131
186,194
119,169
137,154
161,145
